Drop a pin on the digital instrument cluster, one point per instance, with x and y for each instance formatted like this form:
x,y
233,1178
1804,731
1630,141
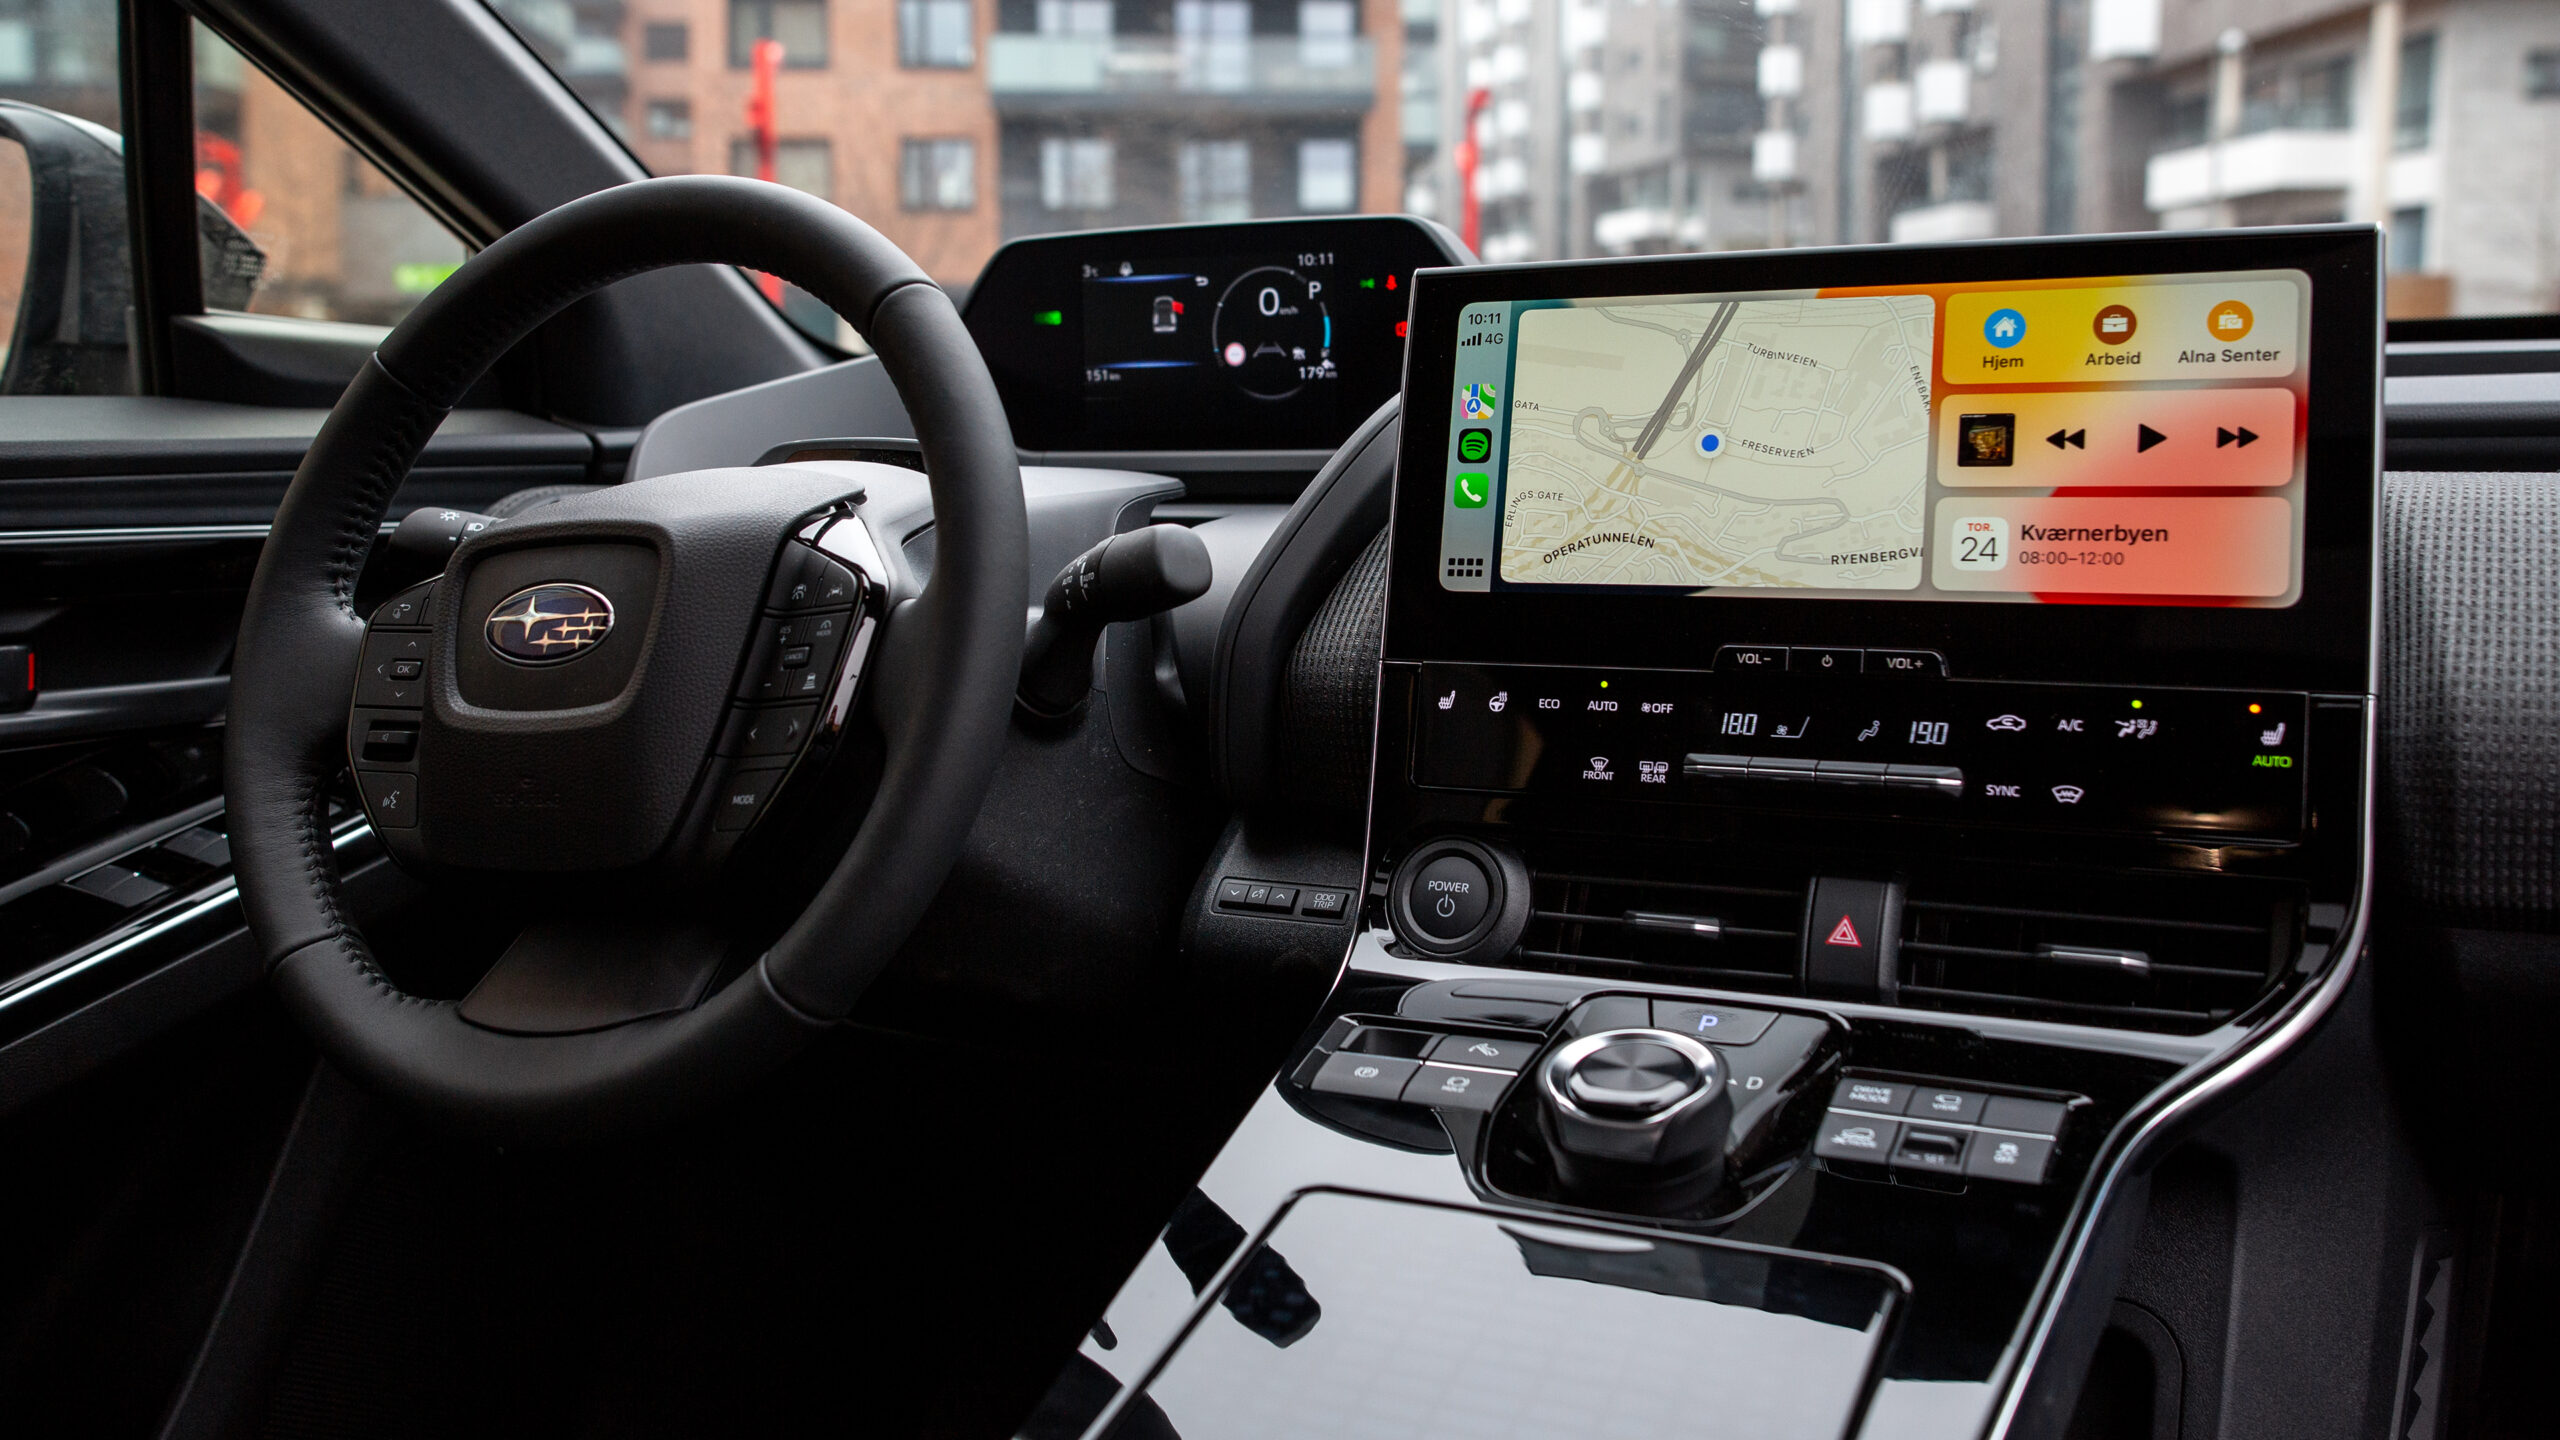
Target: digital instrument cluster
x,y
1278,335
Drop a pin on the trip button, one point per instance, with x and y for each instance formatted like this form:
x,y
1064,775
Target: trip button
x,y
1325,904
1449,897
1751,660
1823,660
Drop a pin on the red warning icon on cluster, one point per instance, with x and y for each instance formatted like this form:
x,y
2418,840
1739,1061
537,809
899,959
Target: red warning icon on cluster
x,y
1845,933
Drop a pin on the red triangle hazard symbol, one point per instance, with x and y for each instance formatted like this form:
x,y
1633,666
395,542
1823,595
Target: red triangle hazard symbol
x,y
1845,933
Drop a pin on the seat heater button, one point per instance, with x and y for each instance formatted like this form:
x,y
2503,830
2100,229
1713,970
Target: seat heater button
x,y
1454,1089
1956,1107
1449,897
1855,1137
390,798
743,798
2009,1112
2009,1157
1722,1024
1883,1097
1480,1050
1373,1077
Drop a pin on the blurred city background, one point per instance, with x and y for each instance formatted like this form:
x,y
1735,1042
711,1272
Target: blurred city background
x,y
1540,128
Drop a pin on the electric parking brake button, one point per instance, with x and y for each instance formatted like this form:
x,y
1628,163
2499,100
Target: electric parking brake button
x,y
1371,1077
1448,898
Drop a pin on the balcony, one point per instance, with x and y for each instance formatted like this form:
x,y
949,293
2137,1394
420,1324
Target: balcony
x,y
1947,220
2266,163
1046,73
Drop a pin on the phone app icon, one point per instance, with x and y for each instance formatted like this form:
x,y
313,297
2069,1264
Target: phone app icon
x,y
1475,446
1472,491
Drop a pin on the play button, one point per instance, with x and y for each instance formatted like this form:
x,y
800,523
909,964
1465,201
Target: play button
x,y
2241,437
2076,439
2145,437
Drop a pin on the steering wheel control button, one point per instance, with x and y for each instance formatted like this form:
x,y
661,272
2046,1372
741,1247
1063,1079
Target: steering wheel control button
x,y
1450,897
779,730
1881,1097
1928,1102
406,610
390,798
388,742
743,798
1723,1024
2016,1158
1448,1087
1483,1052
1751,660
795,656
394,669
1371,1077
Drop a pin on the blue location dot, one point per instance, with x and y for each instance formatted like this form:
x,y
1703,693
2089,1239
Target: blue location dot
x,y
2004,328
1710,443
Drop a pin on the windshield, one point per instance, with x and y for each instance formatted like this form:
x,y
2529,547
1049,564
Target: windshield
x,y
1545,129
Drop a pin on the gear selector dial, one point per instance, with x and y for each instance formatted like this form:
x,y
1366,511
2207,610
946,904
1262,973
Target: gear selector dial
x,y
1640,1114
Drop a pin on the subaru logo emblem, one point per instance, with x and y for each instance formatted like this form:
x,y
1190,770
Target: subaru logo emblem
x,y
549,623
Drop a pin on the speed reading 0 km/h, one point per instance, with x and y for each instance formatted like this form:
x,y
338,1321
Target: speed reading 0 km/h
x,y
1272,334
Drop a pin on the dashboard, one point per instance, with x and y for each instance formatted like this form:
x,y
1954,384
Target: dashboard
x,y
1265,335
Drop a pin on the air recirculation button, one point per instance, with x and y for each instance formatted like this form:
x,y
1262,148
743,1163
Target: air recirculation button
x,y
1448,898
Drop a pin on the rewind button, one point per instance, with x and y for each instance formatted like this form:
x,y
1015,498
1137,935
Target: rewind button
x,y
2076,439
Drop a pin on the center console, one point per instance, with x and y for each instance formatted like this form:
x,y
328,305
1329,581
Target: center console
x,y
1871,745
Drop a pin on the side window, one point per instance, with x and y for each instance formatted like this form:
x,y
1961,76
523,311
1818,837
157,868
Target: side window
x,y
339,240
65,276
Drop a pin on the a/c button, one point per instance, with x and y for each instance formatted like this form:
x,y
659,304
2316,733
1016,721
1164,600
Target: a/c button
x,y
1449,897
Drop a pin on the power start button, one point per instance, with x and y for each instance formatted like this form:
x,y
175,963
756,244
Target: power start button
x,y
1448,898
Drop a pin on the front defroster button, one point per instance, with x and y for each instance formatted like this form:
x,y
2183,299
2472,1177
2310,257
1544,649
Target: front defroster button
x,y
1449,897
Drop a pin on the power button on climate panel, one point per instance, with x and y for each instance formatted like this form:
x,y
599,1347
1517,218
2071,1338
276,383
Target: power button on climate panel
x,y
1449,897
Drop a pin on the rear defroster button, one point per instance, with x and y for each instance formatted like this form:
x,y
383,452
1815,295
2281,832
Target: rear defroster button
x,y
1448,897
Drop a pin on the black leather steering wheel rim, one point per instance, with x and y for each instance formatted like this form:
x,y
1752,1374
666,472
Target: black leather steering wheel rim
x,y
944,672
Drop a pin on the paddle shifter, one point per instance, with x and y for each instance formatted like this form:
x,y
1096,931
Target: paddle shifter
x,y
1639,1115
1127,577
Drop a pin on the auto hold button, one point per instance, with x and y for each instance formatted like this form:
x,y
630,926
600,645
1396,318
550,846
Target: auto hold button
x,y
1448,898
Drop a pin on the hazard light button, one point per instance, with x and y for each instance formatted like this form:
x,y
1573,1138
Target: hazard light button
x,y
1849,937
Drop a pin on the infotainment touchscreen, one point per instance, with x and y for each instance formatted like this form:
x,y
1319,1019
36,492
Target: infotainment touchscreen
x,y
2110,439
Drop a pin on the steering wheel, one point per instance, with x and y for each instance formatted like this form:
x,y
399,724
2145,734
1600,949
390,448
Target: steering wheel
x,y
579,679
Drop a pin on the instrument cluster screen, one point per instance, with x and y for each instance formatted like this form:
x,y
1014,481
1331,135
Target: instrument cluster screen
x,y
1279,335
2125,439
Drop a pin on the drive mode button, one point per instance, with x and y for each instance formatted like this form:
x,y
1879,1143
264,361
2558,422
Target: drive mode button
x,y
1449,897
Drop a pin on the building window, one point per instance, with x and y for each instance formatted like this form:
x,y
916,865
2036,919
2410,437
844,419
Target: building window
x,y
1075,173
807,166
2542,75
1215,178
1328,175
936,34
1074,19
666,40
940,174
2413,117
2409,240
801,26
670,120
1324,33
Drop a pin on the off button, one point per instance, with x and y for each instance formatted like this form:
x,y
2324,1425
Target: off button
x,y
1448,898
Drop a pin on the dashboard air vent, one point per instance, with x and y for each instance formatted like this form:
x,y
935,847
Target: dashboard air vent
x,y
2141,952
1738,933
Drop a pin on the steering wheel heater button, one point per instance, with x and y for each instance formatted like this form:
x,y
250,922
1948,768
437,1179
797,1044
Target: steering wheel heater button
x,y
1449,897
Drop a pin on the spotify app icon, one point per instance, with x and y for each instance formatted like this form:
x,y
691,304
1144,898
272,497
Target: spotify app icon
x,y
1475,445
1471,491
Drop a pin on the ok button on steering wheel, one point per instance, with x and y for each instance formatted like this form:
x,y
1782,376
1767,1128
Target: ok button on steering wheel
x,y
1458,899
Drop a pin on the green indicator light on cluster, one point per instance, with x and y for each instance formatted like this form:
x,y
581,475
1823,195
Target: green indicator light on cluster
x,y
1049,317
1369,284
2137,704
